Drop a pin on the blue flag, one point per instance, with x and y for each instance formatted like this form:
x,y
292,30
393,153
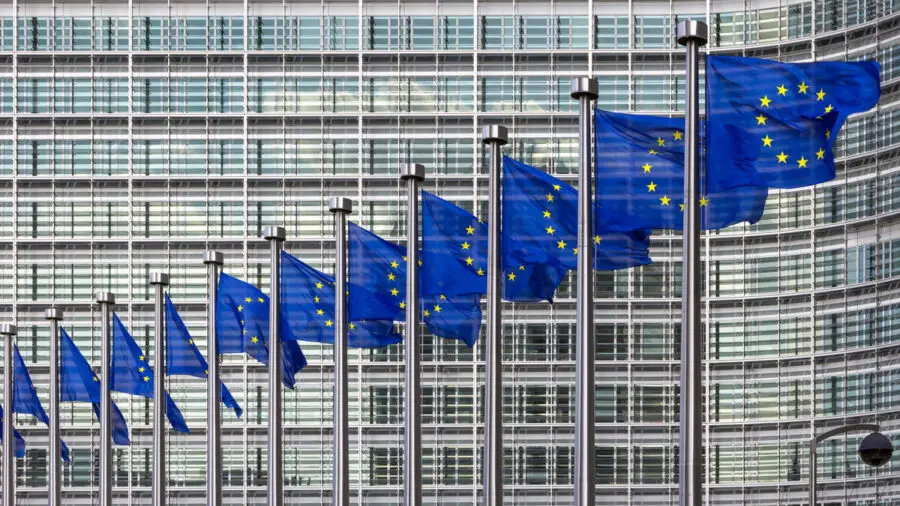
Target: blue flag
x,y
539,237
307,303
131,374
774,124
183,356
20,441
242,326
378,290
25,399
78,383
640,178
454,247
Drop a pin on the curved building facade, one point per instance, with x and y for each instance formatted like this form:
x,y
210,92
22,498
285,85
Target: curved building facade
x,y
136,135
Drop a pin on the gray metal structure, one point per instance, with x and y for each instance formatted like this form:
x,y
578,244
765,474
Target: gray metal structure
x,y
8,331
412,174
275,437
213,261
341,207
159,281
54,485
691,34
105,300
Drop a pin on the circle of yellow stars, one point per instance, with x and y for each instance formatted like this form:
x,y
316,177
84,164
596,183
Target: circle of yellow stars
x,y
765,102
248,300
466,253
647,168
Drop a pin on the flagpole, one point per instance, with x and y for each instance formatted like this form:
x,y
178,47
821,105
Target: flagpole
x,y
584,89
275,236
214,261
9,331
494,136
105,299
54,487
692,35
341,207
159,280
412,174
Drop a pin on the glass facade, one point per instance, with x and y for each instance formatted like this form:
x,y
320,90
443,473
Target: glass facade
x,y
136,135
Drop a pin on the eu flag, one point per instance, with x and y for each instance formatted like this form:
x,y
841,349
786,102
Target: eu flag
x,y
183,356
78,383
25,399
774,124
454,247
378,290
131,374
242,326
20,441
308,308
540,235
640,178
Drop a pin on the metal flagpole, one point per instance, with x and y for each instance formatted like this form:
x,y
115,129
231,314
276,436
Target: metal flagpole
x,y
412,174
105,299
341,207
9,444
159,280
584,89
275,236
214,261
54,487
691,34
494,136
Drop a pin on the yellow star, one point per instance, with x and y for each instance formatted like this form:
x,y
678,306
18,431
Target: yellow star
x,y
512,276
248,299
575,251
254,339
245,332
681,206
465,245
190,341
352,326
556,187
319,285
391,276
828,108
651,187
596,239
329,323
426,313
470,230
480,272
403,305
665,200
802,87
820,154
703,201
316,298
801,162
652,151
767,141
437,308
320,312
647,168
146,379
521,267
394,292
404,258
782,158
550,230
469,261
394,264
660,141
443,297
782,90
561,244
240,308
207,372
677,135
260,299
141,358
96,379
820,95
765,101
141,369
827,134
760,120
546,214
549,197
420,263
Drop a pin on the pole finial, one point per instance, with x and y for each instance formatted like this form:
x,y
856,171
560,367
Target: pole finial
x,y
494,133
584,87
412,171
159,278
213,257
8,329
340,205
105,298
52,313
274,234
691,30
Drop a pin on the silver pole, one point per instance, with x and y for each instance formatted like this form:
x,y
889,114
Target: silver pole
x,y
275,236
54,487
214,261
813,465
691,34
9,444
412,174
105,299
584,89
494,136
159,280
341,207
